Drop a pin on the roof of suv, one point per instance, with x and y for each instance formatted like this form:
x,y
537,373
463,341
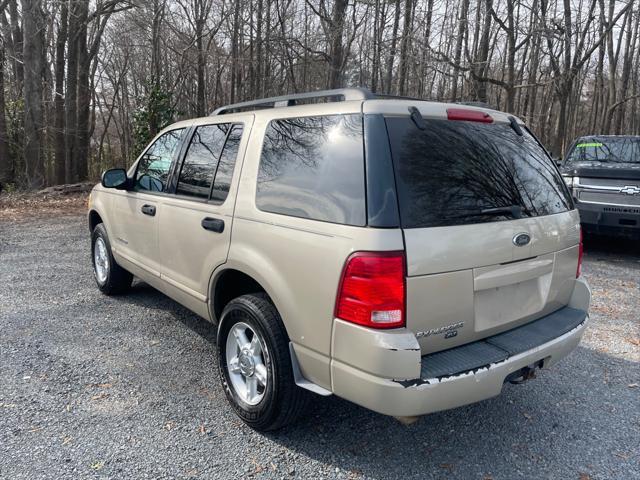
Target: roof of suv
x,y
369,102
345,100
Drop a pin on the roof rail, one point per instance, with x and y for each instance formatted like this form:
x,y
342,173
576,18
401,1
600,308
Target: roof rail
x,y
337,95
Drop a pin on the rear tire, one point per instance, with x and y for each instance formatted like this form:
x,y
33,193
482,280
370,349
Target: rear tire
x,y
255,364
110,277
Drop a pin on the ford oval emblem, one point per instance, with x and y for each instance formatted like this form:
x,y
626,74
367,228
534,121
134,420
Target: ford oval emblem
x,y
521,239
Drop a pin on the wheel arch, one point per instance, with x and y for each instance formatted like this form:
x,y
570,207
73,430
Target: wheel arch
x,y
251,269
94,219
231,282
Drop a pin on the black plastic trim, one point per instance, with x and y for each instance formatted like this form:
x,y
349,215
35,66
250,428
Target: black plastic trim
x,y
500,347
382,200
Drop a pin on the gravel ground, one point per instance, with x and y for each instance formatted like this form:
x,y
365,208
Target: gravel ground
x,y
125,387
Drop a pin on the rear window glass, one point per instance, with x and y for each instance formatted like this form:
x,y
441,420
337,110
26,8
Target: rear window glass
x,y
606,150
458,172
313,167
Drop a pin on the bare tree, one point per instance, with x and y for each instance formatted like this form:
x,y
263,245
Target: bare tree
x,y
33,55
113,72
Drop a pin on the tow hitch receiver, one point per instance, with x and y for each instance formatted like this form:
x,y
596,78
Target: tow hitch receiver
x,y
524,374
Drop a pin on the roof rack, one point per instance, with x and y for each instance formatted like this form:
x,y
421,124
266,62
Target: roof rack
x,y
337,95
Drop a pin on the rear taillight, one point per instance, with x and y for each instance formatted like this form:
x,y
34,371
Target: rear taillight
x,y
372,290
580,253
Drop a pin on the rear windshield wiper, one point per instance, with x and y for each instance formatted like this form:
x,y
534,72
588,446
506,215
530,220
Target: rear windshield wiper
x,y
513,210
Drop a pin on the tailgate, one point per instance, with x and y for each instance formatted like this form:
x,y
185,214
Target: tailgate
x,y
471,281
491,235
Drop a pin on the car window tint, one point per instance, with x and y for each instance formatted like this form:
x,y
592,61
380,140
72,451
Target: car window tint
x,y
452,172
224,173
153,168
201,160
313,167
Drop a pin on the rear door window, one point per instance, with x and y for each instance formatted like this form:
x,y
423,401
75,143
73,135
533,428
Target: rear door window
x,y
201,160
313,167
209,162
227,162
459,172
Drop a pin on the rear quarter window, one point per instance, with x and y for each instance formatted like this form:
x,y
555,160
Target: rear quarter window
x,y
313,167
453,171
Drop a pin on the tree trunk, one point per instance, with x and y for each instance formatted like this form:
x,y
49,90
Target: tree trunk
x,y
5,161
483,57
336,49
462,29
561,130
235,40
404,48
259,59
392,52
70,98
17,40
58,102
511,58
83,100
630,45
201,101
33,55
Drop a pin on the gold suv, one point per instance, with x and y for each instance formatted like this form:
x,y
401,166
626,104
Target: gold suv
x,y
405,255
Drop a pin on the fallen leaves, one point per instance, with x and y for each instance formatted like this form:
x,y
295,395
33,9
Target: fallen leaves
x,y
100,396
633,385
584,476
19,206
97,465
634,341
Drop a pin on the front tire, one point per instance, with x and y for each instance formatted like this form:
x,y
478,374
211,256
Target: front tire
x,y
255,364
110,277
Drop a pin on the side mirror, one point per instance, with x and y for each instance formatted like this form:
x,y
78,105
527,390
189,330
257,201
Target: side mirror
x,y
115,178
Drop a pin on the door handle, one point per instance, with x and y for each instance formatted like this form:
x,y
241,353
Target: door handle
x,y
149,210
213,224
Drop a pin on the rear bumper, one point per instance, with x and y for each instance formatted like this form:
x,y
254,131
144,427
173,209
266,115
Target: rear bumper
x,y
609,219
383,388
